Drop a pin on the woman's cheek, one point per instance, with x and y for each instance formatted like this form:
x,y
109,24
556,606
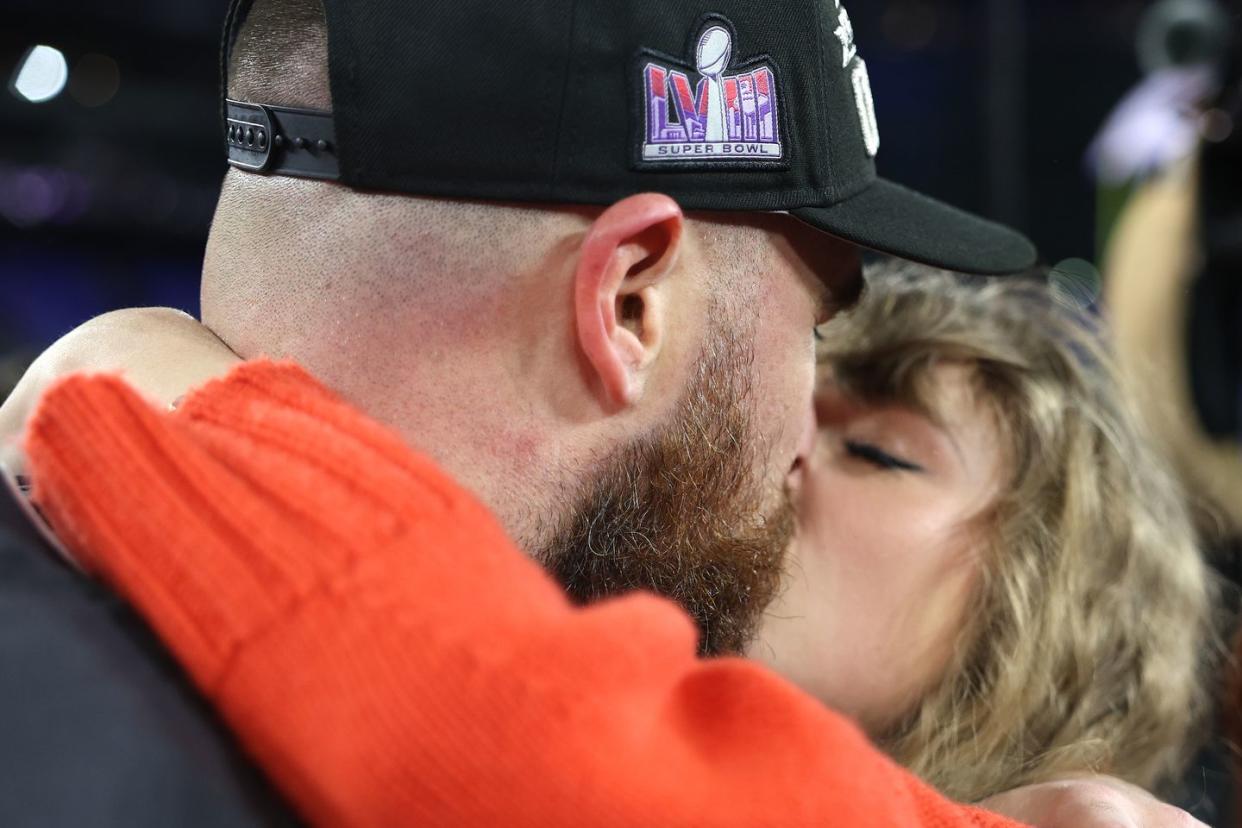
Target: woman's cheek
x,y
867,521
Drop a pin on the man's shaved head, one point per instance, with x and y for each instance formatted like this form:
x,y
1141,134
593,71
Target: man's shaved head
x,y
281,55
383,251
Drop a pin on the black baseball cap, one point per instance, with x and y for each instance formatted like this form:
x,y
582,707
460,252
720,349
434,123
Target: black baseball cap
x,y
740,105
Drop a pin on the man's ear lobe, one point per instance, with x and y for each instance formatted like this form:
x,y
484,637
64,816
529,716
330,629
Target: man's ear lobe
x,y
624,258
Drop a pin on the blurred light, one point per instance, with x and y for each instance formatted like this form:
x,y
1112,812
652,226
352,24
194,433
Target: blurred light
x,y
32,197
1182,33
911,24
95,80
41,75
1076,283
1155,125
1216,126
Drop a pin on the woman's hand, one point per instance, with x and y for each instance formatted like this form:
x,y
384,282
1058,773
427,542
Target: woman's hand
x,y
161,352
1096,801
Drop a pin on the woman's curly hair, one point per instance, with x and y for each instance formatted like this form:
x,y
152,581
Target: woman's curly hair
x,y
1092,624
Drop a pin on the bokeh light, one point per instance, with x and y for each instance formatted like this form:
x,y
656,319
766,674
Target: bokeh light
x,y
41,74
95,80
1076,282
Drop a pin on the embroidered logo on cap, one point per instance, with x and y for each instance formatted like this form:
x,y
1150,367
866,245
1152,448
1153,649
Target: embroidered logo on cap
x,y
707,115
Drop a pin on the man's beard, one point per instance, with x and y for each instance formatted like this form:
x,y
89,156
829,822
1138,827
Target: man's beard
x,y
681,513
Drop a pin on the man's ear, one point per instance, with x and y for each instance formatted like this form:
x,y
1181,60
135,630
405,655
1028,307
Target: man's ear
x,y
618,304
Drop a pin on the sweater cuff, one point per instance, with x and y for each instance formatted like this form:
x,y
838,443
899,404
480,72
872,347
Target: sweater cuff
x,y
178,536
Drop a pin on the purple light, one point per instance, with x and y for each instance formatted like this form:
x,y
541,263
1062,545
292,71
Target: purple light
x,y
34,197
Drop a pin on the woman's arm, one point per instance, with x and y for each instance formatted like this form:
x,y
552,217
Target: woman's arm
x,y
163,352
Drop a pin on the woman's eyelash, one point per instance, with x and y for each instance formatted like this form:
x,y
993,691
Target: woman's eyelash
x,y
878,458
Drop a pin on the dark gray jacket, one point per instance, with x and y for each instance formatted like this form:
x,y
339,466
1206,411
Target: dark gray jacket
x,y
98,726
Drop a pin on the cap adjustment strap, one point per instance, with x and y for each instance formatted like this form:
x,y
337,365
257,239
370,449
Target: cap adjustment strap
x,y
280,139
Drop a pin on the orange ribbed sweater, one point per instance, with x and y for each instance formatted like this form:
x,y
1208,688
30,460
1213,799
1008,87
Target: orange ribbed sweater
x,y
390,658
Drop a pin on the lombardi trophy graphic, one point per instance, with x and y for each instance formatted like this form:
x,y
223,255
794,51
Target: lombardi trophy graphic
x,y
711,116
712,58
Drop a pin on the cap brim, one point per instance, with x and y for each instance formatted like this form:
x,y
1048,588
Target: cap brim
x,y
892,219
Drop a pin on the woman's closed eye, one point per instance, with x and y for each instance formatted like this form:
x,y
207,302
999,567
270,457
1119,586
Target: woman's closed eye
x,y
879,458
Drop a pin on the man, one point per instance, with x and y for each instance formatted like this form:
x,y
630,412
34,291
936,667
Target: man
x,y
626,385
660,296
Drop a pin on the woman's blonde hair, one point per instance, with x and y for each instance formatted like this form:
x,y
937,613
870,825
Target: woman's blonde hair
x,y
1091,625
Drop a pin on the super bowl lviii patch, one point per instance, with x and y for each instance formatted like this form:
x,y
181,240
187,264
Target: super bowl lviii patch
x,y
710,114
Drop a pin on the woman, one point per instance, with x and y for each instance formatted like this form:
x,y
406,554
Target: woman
x,y
1005,655
994,573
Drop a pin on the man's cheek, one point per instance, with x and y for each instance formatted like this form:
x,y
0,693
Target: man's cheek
x,y
784,384
783,413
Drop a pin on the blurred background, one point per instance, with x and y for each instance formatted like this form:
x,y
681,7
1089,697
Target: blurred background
x,y
107,175
110,154
1053,116
110,161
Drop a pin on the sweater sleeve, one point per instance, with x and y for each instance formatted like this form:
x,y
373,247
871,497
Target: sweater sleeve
x,y
388,656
